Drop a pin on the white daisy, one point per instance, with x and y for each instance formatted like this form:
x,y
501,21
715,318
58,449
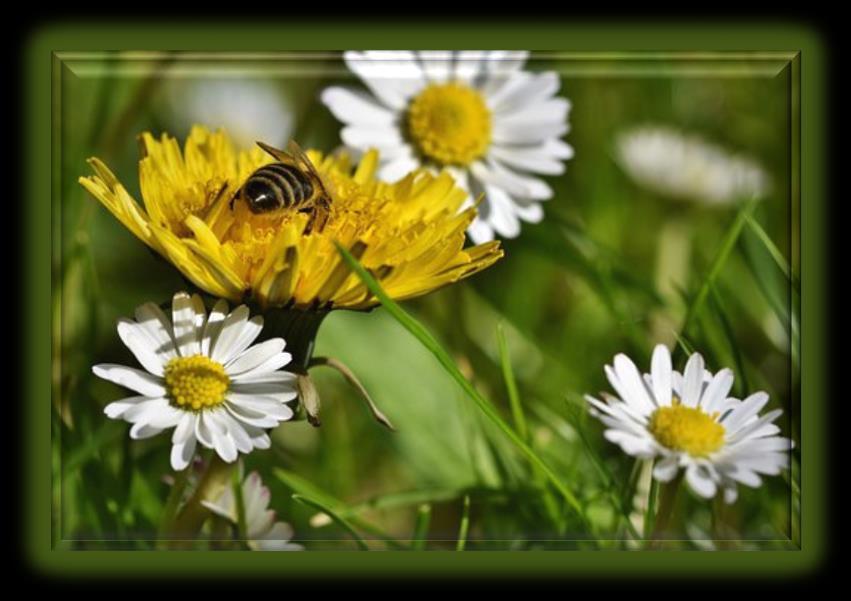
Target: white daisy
x,y
262,531
478,114
685,166
202,377
248,109
688,421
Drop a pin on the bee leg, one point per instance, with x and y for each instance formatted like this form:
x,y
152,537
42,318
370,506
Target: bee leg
x,y
310,222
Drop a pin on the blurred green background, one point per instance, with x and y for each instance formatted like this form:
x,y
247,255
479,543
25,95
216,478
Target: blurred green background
x,y
571,292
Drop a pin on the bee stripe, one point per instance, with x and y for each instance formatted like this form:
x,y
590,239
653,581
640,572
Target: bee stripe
x,y
281,184
298,180
272,185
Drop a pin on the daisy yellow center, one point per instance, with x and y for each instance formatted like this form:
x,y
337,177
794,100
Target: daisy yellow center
x,y
687,429
196,382
450,123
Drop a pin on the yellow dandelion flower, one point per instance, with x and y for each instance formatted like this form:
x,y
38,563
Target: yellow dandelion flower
x,y
408,234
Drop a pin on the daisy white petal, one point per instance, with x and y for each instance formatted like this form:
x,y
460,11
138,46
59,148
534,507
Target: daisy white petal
x,y
700,480
632,383
660,373
182,453
751,406
277,539
132,378
437,64
251,416
480,231
391,76
185,324
500,66
240,437
355,107
238,332
398,167
532,159
666,469
525,91
716,392
117,409
143,347
365,136
222,442
469,67
267,405
692,381
513,183
141,430
636,446
213,326
527,132
532,213
502,217
157,413
158,327
255,356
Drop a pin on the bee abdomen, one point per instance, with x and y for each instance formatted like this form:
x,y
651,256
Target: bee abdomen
x,y
289,186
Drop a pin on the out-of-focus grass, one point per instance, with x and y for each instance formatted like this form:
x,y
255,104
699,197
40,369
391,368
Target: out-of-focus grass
x,y
571,292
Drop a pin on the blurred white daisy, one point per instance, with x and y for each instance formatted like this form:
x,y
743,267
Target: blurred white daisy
x,y
687,421
202,377
262,531
248,109
685,166
478,114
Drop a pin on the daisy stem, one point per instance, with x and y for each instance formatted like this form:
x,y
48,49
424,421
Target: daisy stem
x,y
173,503
719,525
242,529
212,483
667,501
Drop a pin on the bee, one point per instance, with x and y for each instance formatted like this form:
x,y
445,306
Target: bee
x,y
289,183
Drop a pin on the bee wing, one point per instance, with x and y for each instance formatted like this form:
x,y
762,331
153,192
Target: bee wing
x,y
280,155
299,155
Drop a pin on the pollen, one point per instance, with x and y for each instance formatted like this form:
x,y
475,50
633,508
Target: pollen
x,y
450,124
687,429
196,382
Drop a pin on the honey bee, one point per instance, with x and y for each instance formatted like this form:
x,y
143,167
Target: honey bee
x,y
289,183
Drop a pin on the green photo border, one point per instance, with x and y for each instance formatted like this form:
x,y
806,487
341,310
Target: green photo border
x,y
39,55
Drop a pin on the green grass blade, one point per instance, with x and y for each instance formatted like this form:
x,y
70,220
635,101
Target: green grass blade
x,y
345,525
511,385
727,328
419,540
431,496
775,253
464,528
605,474
727,245
305,488
415,328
